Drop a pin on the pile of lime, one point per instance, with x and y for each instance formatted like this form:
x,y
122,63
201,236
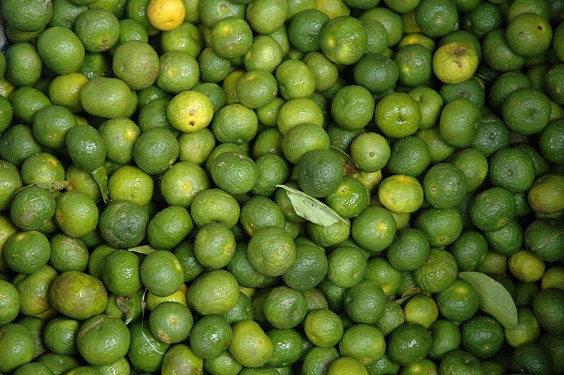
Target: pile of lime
x,y
282,187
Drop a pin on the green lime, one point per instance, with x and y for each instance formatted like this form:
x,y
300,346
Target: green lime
x,y
374,229
214,205
323,328
370,151
102,340
527,329
421,309
295,80
58,363
363,342
446,337
231,37
350,198
392,318
146,352
469,249
256,89
26,251
408,343
372,68
196,146
473,165
492,209
225,363
507,240
543,238
397,115
352,107
273,170
214,246
130,183
33,290
210,336
234,172
365,302
531,357
242,269
33,368
319,172
60,49
529,34
460,362
106,97
272,251
284,307
136,63
10,302
409,156
436,18
550,142
459,122
155,150
123,224
444,186
288,346
32,207
191,268
182,182
545,304
17,145
179,72
51,124
553,344
522,102
482,336
169,227
120,273
297,111
343,40
161,273
235,123
401,194
414,65
409,250
266,16
17,346
492,135
23,57
98,29
78,295
483,19
265,52
213,292
346,266
68,253
437,273
459,302
250,345
243,310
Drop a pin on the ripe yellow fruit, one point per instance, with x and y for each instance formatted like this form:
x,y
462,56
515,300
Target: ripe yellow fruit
x,y
166,14
455,62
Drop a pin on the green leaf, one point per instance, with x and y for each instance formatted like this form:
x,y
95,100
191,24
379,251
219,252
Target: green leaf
x,y
131,306
101,177
54,185
311,209
407,295
494,298
145,249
